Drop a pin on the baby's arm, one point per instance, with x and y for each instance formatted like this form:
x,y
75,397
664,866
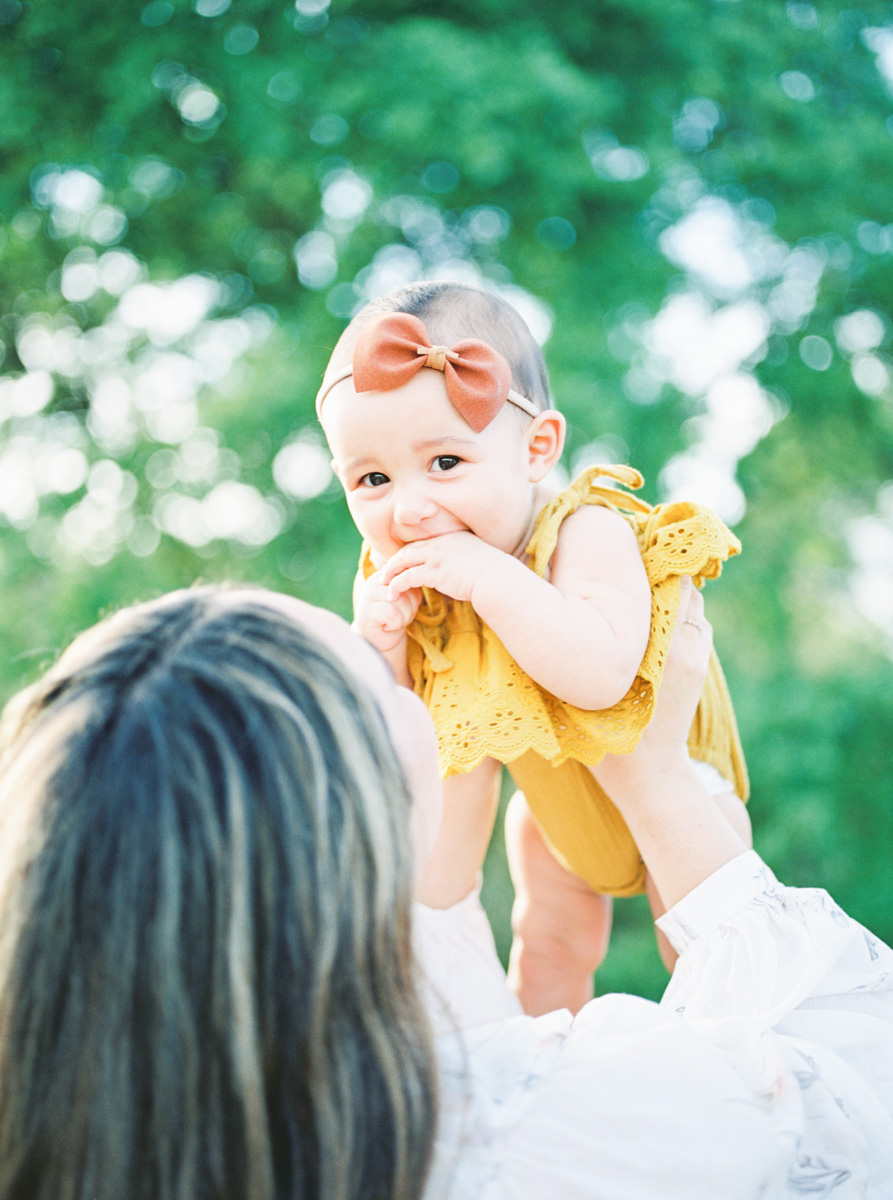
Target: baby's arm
x,y
582,634
469,801
469,812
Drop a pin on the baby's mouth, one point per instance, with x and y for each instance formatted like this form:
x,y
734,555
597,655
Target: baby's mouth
x,y
428,536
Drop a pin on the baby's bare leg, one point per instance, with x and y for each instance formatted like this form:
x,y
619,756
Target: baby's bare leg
x,y
561,926
735,813
469,812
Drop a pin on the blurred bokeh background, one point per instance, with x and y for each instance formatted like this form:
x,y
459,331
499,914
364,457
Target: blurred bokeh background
x,y
691,202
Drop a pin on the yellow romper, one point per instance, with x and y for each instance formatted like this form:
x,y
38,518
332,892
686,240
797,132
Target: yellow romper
x,y
483,704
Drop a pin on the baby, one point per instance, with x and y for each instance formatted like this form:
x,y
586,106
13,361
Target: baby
x,y
534,623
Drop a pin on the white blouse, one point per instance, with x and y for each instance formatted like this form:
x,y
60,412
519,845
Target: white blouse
x,y
765,1072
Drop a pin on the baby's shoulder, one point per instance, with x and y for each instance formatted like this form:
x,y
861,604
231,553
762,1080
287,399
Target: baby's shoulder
x,y
580,530
596,543
596,526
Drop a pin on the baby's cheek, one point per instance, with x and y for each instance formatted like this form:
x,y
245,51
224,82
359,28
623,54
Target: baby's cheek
x,y
383,548
374,527
362,518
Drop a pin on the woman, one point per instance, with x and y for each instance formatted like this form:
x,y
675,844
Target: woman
x,y
206,979
207,985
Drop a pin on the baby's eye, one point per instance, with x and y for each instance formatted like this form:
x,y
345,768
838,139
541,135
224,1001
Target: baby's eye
x,y
445,462
373,479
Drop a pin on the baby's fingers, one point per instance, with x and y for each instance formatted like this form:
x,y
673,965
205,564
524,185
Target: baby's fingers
x,y
407,556
410,580
381,614
394,614
406,580
407,604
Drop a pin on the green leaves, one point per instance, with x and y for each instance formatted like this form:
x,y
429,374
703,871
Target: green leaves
x,y
691,200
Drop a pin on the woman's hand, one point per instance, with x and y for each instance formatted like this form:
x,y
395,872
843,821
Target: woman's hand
x,y
685,671
681,833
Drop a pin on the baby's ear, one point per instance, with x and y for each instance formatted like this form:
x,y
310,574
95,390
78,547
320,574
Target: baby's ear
x,y
545,441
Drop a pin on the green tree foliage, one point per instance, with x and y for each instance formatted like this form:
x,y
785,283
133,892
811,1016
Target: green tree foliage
x,y
690,200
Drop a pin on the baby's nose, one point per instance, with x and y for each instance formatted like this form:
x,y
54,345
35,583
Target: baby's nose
x,y
411,505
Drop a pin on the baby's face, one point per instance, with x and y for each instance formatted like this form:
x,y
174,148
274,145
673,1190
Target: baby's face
x,y
412,468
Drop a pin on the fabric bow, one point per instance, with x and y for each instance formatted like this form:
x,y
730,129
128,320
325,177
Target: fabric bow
x,y
392,348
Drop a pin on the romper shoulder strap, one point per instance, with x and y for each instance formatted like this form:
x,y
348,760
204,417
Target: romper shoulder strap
x,y
587,488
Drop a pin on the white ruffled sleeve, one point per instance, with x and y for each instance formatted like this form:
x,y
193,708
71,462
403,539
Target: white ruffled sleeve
x,y
765,1074
463,980
750,947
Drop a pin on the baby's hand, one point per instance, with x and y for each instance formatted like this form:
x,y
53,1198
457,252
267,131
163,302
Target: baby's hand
x,y
380,618
451,564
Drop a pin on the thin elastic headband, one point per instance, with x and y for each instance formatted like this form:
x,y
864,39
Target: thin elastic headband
x,y
393,348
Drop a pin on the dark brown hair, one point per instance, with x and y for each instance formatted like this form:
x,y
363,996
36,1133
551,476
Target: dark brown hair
x,y
207,986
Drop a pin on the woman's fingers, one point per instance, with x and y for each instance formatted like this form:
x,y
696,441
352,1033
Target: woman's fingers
x,y
691,601
691,623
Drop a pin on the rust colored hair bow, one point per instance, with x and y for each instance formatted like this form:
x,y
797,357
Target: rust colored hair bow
x,y
393,348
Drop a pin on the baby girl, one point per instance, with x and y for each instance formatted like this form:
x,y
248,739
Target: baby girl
x,y
534,622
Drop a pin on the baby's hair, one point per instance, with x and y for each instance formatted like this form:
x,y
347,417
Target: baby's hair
x,y
453,311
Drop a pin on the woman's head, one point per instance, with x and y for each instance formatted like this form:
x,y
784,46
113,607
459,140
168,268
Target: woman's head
x,y
411,464
206,979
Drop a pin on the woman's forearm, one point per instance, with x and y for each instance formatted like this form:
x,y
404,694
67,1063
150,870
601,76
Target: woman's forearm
x,y
681,832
